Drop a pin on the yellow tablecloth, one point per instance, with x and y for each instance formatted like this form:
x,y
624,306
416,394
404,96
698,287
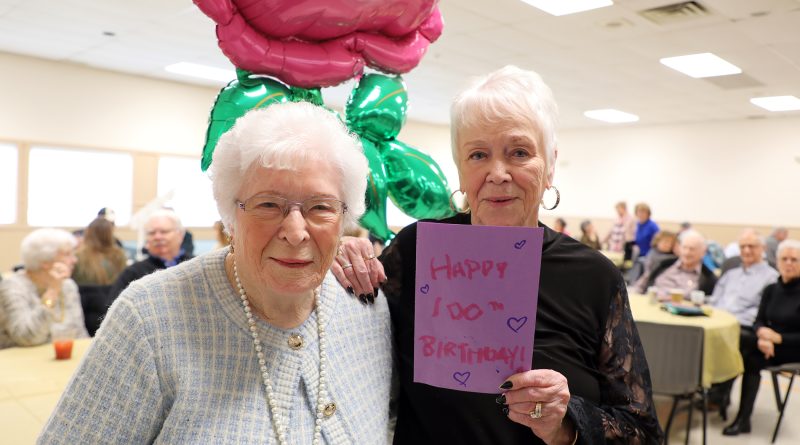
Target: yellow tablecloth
x,y
721,357
31,381
616,257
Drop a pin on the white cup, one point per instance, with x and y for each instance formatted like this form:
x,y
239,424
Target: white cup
x,y
698,297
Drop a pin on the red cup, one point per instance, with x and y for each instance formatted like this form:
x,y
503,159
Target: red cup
x,y
63,349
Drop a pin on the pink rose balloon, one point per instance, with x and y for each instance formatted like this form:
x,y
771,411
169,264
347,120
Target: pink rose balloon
x,y
318,43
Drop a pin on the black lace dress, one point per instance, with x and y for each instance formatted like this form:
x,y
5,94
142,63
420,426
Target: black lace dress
x,y
584,330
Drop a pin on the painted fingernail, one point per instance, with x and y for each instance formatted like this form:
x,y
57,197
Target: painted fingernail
x,y
501,399
505,410
506,385
350,290
370,298
362,298
375,291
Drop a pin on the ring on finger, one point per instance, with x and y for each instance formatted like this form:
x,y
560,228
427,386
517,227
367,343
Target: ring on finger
x,y
371,257
537,411
346,266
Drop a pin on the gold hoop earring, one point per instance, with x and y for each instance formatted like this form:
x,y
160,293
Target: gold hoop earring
x,y
558,199
453,206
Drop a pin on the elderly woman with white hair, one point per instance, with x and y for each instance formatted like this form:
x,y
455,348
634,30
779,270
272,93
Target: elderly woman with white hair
x,y
42,294
590,382
255,343
777,332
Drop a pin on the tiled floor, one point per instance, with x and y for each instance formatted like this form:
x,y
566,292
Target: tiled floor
x,y
765,414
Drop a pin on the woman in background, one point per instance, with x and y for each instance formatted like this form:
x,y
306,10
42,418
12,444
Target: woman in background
x,y
589,235
100,261
41,294
777,332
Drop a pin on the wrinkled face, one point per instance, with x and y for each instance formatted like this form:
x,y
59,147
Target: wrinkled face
x,y
163,238
642,215
503,174
691,252
65,256
665,244
286,256
789,264
751,249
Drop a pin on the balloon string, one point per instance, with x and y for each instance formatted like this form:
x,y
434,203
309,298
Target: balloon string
x,y
268,98
426,163
393,93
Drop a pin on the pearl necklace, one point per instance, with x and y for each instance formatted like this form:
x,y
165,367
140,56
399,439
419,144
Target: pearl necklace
x,y
322,393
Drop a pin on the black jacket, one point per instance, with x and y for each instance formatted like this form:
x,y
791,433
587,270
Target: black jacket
x,y
707,278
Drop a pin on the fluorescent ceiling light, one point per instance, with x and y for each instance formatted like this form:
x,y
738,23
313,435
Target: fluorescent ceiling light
x,y
611,115
201,71
777,103
701,65
564,7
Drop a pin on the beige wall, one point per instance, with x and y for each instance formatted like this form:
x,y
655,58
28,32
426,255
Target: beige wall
x,y
722,176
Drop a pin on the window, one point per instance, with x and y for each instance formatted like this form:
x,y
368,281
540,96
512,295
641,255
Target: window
x,y
8,183
66,187
190,188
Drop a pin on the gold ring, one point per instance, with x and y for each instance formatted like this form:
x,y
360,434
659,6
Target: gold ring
x,y
345,266
537,411
371,257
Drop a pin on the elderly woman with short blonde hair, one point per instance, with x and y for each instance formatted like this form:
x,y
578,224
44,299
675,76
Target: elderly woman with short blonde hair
x,y
41,294
255,343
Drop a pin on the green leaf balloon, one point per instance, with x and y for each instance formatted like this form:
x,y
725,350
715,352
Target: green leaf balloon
x,y
415,182
376,109
374,218
236,99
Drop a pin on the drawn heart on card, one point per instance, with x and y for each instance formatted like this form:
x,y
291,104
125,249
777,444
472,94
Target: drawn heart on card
x,y
516,323
519,244
424,289
462,377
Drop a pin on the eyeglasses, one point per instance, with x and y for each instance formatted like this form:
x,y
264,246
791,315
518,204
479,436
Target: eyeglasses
x,y
749,246
273,209
788,259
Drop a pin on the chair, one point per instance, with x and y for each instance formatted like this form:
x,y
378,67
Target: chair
x,y
94,301
675,357
788,370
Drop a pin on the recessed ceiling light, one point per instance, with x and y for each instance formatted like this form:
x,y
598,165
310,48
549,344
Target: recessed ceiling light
x,y
701,65
201,71
777,103
561,7
611,115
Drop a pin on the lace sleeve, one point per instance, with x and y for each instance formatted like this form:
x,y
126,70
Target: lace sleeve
x,y
626,413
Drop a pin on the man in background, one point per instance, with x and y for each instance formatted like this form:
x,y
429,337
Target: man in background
x,y
165,235
738,291
778,235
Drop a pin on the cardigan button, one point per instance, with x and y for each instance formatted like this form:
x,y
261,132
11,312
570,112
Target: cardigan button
x,y
295,341
329,409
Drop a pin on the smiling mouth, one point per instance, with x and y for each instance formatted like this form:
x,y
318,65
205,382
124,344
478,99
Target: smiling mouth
x,y
292,263
500,200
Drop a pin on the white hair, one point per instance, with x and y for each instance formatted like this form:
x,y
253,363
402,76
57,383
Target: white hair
x,y
506,97
165,213
286,136
788,244
43,245
690,234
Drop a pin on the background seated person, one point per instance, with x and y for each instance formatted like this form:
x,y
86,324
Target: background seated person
x,y
164,237
739,292
589,235
41,294
687,272
100,261
663,247
777,332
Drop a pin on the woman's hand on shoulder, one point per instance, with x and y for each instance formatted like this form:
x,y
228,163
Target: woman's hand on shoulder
x,y
548,388
357,268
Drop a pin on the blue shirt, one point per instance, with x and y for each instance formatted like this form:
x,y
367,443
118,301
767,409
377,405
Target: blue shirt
x,y
644,235
738,291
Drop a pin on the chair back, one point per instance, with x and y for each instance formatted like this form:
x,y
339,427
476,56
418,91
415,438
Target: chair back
x,y
94,301
674,355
